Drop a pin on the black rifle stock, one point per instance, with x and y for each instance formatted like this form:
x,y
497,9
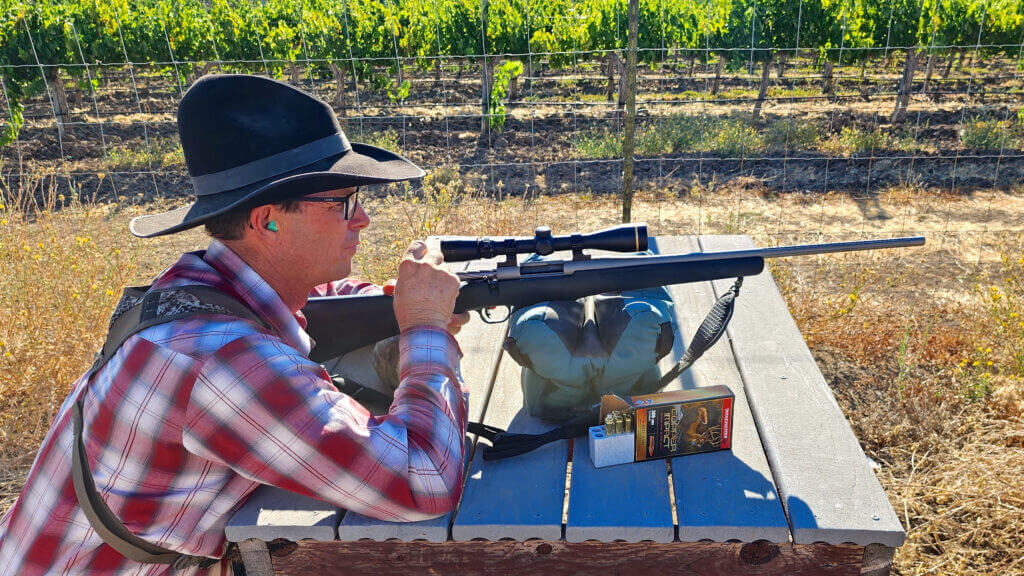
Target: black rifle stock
x,y
341,324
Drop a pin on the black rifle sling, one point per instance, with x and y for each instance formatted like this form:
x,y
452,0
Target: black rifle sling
x,y
376,400
506,445
140,309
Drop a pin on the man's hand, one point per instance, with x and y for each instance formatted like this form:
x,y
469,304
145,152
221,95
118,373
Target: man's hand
x,y
424,292
456,322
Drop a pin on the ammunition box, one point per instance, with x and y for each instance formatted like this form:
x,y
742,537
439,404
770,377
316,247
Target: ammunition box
x,y
665,425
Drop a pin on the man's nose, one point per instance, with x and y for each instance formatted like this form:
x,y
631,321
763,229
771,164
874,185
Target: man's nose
x,y
360,219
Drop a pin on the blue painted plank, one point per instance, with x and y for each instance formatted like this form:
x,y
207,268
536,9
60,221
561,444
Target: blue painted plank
x,y
829,492
628,502
520,497
727,495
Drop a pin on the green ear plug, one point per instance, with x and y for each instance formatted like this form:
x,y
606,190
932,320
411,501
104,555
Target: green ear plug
x,y
272,226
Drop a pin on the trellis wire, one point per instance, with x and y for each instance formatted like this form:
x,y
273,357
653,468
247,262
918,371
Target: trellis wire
x,y
530,112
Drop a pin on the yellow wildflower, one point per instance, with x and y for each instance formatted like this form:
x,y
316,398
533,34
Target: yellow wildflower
x,y
988,350
976,363
3,222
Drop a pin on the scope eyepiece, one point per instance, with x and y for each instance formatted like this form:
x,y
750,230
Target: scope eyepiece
x,y
624,238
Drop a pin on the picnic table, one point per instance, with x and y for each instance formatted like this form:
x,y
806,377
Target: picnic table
x,y
794,495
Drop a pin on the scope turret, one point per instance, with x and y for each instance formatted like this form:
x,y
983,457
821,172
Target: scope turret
x,y
625,238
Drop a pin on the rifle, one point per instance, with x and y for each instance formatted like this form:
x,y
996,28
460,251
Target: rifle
x,y
341,324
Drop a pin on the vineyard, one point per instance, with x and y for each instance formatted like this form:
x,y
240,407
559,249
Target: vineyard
x,y
527,96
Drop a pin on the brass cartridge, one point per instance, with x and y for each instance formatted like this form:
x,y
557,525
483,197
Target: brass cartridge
x,y
629,422
609,424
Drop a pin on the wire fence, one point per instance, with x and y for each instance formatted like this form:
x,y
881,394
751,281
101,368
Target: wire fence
x,y
794,122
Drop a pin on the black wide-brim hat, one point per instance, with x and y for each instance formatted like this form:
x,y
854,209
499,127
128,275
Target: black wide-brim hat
x,y
250,140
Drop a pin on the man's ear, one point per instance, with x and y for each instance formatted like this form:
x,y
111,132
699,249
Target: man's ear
x,y
259,217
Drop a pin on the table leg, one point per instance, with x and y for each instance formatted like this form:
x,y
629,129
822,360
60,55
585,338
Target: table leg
x,y
877,560
256,557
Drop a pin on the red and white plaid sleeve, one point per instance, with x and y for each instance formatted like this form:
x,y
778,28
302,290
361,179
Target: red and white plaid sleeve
x,y
273,416
346,287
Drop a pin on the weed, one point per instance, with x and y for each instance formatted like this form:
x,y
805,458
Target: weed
x,y
598,144
735,138
1001,331
853,141
677,134
386,139
981,134
790,135
161,153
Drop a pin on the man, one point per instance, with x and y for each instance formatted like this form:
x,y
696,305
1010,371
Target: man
x,y
183,420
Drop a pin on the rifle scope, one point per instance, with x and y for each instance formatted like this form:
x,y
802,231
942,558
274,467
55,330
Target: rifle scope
x,y
625,238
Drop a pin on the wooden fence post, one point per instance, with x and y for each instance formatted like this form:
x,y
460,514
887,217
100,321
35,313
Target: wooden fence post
x,y
629,137
485,82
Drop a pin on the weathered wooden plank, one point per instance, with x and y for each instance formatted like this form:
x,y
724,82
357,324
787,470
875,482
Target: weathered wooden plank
x,y
271,512
628,502
829,492
480,344
519,497
728,495
556,558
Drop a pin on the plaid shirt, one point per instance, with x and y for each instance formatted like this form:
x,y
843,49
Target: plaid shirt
x,y
189,417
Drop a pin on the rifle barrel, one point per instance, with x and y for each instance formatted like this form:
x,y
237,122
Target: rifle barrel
x,y
773,252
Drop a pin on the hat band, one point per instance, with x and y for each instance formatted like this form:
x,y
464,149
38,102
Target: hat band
x,y
271,166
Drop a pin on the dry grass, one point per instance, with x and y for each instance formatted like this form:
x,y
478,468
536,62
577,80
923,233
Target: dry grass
x,y
923,348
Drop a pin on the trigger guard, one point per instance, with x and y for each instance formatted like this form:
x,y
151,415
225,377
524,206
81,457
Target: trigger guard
x,y
488,318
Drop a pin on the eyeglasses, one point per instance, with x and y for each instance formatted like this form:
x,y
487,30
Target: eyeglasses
x,y
349,201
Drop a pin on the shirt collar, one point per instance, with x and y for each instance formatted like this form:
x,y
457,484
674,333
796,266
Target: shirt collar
x,y
220,267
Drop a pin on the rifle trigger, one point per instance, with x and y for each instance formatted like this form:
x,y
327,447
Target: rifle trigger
x,y
488,316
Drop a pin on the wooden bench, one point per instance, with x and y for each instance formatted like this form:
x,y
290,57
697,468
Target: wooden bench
x,y
795,495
